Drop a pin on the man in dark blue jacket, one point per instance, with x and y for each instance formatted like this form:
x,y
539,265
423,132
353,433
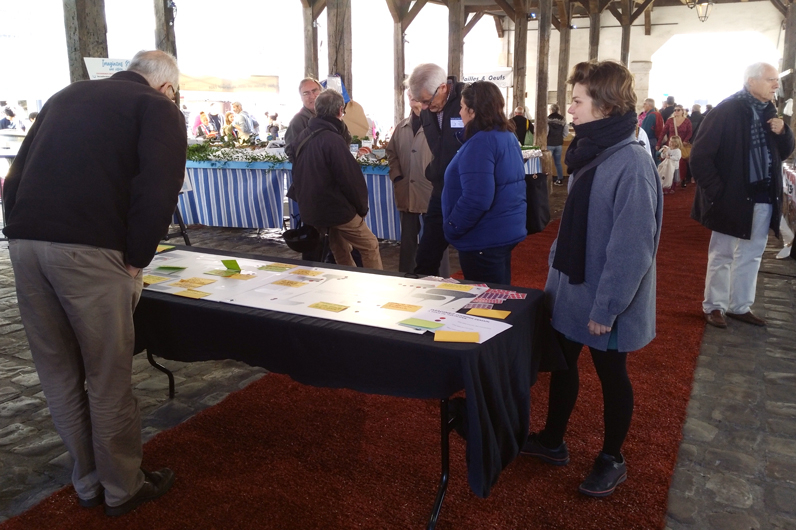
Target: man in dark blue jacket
x,y
86,209
441,98
736,161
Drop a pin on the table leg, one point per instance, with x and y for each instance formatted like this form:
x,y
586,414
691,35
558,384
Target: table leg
x,y
446,424
164,370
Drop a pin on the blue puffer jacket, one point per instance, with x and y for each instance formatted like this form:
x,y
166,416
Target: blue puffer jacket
x,y
483,200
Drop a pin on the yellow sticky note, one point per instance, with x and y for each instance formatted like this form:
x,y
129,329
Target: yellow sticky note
x,y
456,336
150,279
191,283
289,283
326,306
409,308
276,267
190,293
306,272
242,276
491,313
455,287
161,248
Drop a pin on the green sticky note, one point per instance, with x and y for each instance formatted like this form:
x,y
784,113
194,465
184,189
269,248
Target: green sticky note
x,y
231,264
420,323
226,273
166,268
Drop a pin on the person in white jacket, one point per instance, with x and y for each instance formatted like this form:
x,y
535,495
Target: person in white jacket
x,y
670,163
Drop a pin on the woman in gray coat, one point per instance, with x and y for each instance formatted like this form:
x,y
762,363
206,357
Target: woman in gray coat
x,y
601,284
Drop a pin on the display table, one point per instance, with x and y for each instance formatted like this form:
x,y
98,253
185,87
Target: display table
x,y
496,375
253,195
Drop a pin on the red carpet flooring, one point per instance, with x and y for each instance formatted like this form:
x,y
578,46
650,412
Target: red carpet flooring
x,y
279,455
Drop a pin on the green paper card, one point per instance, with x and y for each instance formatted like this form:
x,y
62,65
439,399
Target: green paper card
x,y
231,264
225,273
166,268
420,323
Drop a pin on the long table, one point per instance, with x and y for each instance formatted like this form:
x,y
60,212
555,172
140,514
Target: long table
x,y
253,195
496,375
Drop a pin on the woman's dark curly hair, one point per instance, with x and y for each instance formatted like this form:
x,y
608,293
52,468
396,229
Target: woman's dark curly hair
x,y
487,102
610,86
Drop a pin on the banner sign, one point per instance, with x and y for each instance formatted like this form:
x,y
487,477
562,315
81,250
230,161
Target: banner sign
x,y
102,68
502,78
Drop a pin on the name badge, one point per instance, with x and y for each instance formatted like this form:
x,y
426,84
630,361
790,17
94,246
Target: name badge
x,y
457,123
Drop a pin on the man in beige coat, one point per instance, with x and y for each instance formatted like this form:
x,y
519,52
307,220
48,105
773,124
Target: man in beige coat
x,y
409,155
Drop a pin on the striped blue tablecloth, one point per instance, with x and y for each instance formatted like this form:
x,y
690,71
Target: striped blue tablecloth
x,y
383,218
252,195
533,165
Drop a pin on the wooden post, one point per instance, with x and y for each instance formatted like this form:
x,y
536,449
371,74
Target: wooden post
x,y
627,7
310,39
338,16
789,58
456,38
521,9
565,18
86,34
594,29
542,68
164,27
398,10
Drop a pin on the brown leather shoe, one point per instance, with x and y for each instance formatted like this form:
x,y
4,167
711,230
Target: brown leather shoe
x,y
715,318
156,484
748,317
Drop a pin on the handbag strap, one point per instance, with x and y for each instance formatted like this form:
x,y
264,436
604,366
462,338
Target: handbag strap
x,y
598,160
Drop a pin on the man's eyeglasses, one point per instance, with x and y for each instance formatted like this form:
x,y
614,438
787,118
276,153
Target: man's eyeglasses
x,y
313,92
428,102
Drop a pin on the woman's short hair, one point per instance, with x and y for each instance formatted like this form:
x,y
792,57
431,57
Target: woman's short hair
x,y
486,101
678,142
609,84
328,103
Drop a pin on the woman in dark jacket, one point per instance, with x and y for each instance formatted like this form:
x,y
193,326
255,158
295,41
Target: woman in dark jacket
x,y
483,199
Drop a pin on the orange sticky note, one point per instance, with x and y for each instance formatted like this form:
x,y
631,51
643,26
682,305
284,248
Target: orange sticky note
x,y
456,336
491,313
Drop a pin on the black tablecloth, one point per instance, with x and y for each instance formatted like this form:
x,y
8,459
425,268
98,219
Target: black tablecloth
x,y
496,375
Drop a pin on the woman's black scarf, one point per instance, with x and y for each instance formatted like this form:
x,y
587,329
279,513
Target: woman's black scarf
x,y
591,139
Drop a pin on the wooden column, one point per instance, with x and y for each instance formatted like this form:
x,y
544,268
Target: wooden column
x,y
594,29
402,16
520,13
789,58
164,27
338,16
564,30
456,19
310,9
86,34
542,68
627,6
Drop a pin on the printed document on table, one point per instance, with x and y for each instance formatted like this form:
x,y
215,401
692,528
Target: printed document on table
x,y
457,322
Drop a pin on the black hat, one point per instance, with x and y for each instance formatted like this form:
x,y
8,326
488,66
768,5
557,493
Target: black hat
x,y
305,238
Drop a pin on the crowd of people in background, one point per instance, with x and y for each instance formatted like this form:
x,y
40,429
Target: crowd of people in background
x,y
224,121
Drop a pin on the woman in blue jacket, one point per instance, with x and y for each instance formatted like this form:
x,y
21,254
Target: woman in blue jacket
x,y
483,199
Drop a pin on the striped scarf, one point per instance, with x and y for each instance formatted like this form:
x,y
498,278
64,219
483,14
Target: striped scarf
x,y
759,156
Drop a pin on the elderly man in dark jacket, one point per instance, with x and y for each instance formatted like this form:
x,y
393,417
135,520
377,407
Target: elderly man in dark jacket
x,y
86,208
328,184
441,98
737,162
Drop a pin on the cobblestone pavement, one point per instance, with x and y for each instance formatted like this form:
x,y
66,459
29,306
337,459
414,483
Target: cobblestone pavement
x,y
737,462
736,469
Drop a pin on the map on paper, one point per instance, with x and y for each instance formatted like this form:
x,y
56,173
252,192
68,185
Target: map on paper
x,y
345,296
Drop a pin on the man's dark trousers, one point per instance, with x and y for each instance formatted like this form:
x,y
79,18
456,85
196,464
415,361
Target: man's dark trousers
x,y
432,242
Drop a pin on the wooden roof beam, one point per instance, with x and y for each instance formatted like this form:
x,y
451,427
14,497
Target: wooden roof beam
x,y
780,6
473,21
498,26
504,5
410,16
640,9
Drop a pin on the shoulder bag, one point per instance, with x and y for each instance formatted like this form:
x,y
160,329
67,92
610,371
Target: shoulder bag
x,y
686,149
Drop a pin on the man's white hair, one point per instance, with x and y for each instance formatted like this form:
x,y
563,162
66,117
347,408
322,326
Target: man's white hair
x,y
755,71
157,67
426,77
